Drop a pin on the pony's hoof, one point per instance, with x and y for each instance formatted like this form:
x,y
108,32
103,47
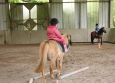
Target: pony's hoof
x,y
43,81
52,76
57,76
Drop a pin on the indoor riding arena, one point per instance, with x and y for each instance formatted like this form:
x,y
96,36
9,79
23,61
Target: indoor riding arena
x,y
23,25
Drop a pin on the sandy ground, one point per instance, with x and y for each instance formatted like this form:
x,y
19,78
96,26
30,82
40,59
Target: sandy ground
x,y
18,62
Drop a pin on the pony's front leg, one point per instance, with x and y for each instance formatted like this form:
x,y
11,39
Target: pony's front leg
x,y
101,41
43,77
58,67
59,64
61,60
51,68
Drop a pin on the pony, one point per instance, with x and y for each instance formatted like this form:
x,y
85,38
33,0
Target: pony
x,y
50,50
98,36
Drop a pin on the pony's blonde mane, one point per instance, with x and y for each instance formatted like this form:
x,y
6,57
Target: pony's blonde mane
x,y
67,38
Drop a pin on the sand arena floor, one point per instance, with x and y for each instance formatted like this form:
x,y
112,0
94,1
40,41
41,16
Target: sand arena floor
x,y
18,62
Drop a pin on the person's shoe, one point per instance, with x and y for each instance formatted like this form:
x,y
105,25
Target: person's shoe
x,y
65,48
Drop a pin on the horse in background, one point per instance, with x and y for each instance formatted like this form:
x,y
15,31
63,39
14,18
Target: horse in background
x,y
50,50
98,36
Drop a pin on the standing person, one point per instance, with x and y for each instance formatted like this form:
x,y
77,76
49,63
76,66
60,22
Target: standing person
x,y
53,33
96,29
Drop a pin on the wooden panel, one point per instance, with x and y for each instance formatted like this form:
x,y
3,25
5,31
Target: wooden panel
x,y
38,36
20,37
1,37
111,37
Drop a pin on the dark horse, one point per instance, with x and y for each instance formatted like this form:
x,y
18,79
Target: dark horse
x,y
98,36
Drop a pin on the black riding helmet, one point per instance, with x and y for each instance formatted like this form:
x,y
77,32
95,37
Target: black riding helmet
x,y
96,24
54,21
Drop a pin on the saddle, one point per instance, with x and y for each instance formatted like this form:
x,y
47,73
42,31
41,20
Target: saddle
x,y
59,44
96,34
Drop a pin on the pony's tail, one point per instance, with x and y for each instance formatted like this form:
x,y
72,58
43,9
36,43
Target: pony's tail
x,y
43,56
92,38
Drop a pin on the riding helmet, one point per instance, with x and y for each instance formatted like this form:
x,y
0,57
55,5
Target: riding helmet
x,y
96,24
54,21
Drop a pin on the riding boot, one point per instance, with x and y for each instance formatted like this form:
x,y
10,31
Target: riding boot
x,y
65,48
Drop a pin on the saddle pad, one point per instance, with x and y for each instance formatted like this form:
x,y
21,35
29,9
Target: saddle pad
x,y
60,46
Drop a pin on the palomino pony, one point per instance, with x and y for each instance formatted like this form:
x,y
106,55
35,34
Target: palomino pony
x,y
98,36
50,50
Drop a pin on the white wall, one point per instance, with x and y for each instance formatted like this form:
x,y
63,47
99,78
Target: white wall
x,y
35,37
2,16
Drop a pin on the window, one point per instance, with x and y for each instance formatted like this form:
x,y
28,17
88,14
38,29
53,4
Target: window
x,y
113,13
92,14
81,13
28,1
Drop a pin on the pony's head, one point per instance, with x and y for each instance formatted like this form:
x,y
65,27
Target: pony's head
x,y
67,38
101,30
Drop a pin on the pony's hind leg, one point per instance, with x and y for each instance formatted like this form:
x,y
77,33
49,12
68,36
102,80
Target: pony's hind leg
x,y
92,39
43,77
51,68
